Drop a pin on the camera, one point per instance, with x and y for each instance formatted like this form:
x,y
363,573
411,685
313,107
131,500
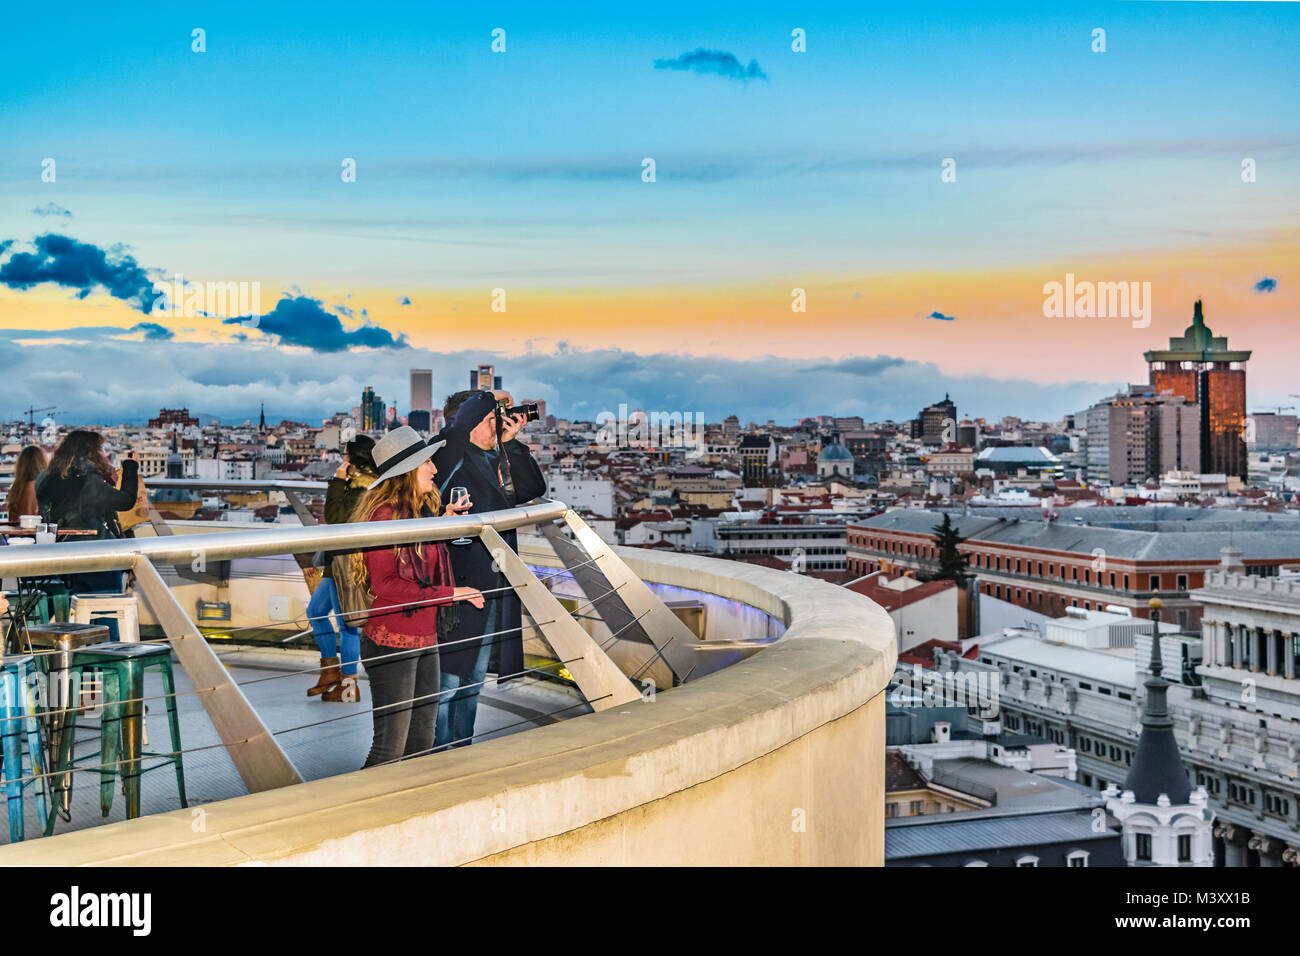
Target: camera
x,y
528,410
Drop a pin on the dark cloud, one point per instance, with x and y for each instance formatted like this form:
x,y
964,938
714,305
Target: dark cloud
x,y
153,332
713,62
404,300
941,317
300,320
52,209
81,266
1266,284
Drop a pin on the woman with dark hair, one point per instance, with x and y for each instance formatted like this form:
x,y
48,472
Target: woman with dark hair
x,y
410,585
355,475
78,491
22,493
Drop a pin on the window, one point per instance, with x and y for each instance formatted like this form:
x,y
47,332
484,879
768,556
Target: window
x,y
1144,846
1155,582
1027,861
1182,582
891,810
916,808
1074,574
1077,858
1185,848
1112,579
1126,582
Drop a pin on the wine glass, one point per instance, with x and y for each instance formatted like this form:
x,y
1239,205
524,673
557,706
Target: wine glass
x,y
457,496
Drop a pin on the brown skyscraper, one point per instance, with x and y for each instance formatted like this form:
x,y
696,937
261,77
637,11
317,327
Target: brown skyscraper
x,y
1201,368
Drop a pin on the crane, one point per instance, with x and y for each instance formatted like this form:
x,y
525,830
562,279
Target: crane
x,y
31,414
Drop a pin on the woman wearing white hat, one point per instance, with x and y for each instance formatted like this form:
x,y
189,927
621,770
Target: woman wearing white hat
x,y
411,584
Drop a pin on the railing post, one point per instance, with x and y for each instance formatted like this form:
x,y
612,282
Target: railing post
x,y
256,754
598,677
660,624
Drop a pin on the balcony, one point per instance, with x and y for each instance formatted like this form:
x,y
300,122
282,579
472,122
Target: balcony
x,y
776,758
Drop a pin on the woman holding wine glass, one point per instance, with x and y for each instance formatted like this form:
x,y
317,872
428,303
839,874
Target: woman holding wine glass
x,y
412,585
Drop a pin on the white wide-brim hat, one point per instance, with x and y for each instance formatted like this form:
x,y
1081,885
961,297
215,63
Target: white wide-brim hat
x,y
400,451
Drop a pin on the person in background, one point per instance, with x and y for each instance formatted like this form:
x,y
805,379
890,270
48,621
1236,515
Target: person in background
x,y
409,584
22,493
77,491
471,458
346,488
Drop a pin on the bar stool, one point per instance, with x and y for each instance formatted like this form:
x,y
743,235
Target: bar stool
x,y
123,665
18,714
64,693
122,609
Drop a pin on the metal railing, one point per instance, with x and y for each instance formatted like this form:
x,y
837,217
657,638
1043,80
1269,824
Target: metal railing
x,y
252,746
121,554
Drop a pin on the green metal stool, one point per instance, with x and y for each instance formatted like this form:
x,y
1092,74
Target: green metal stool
x,y
18,692
122,666
64,686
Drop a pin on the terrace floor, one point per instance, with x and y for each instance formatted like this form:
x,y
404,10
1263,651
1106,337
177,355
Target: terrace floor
x,y
275,683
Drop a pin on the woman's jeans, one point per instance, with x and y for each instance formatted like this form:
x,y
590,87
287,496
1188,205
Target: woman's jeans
x,y
324,602
458,706
404,688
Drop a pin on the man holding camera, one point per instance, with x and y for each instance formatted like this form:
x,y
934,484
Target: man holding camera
x,y
482,455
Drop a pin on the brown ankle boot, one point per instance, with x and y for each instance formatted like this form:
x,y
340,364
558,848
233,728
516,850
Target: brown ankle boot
x,y
346,691
330,675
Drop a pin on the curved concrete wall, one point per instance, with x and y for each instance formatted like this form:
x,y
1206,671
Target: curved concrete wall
x,y
776,760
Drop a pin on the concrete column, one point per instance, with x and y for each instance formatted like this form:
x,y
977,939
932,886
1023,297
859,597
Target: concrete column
x,y
1234,639
1288,655
1234,853
1210,638
1270,641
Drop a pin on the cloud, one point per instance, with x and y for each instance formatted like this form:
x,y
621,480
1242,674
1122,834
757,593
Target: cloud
x,y
81,266
941,317
713,62
1266,284
52,209
230,380
404,300
5,245
153,331
863,365
300,320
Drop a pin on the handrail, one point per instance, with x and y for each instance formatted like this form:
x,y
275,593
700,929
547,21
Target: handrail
x,y
120,554
236,484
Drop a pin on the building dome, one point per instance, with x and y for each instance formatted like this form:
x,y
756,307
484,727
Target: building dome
x,y
835,452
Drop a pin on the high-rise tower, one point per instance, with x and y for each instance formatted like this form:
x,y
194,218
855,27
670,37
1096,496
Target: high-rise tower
x,y
1201,368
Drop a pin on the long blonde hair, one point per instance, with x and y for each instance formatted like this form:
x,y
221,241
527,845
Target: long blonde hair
x,y
402,494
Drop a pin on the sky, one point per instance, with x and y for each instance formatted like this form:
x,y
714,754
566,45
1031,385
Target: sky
x,y
405,196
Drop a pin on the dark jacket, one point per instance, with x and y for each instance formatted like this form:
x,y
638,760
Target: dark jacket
x,y
341,499
461,463
85,501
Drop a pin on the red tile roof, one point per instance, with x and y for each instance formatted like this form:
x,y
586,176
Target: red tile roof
x,y
892,600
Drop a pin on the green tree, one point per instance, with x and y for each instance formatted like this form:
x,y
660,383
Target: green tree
x,y
952,563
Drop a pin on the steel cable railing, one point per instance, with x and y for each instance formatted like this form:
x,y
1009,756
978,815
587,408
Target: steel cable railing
x,y
246,547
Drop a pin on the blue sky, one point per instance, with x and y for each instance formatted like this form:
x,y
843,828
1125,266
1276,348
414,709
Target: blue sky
x,y
478,169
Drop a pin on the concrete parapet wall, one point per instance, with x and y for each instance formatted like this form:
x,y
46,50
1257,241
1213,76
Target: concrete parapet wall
x,y
777,760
